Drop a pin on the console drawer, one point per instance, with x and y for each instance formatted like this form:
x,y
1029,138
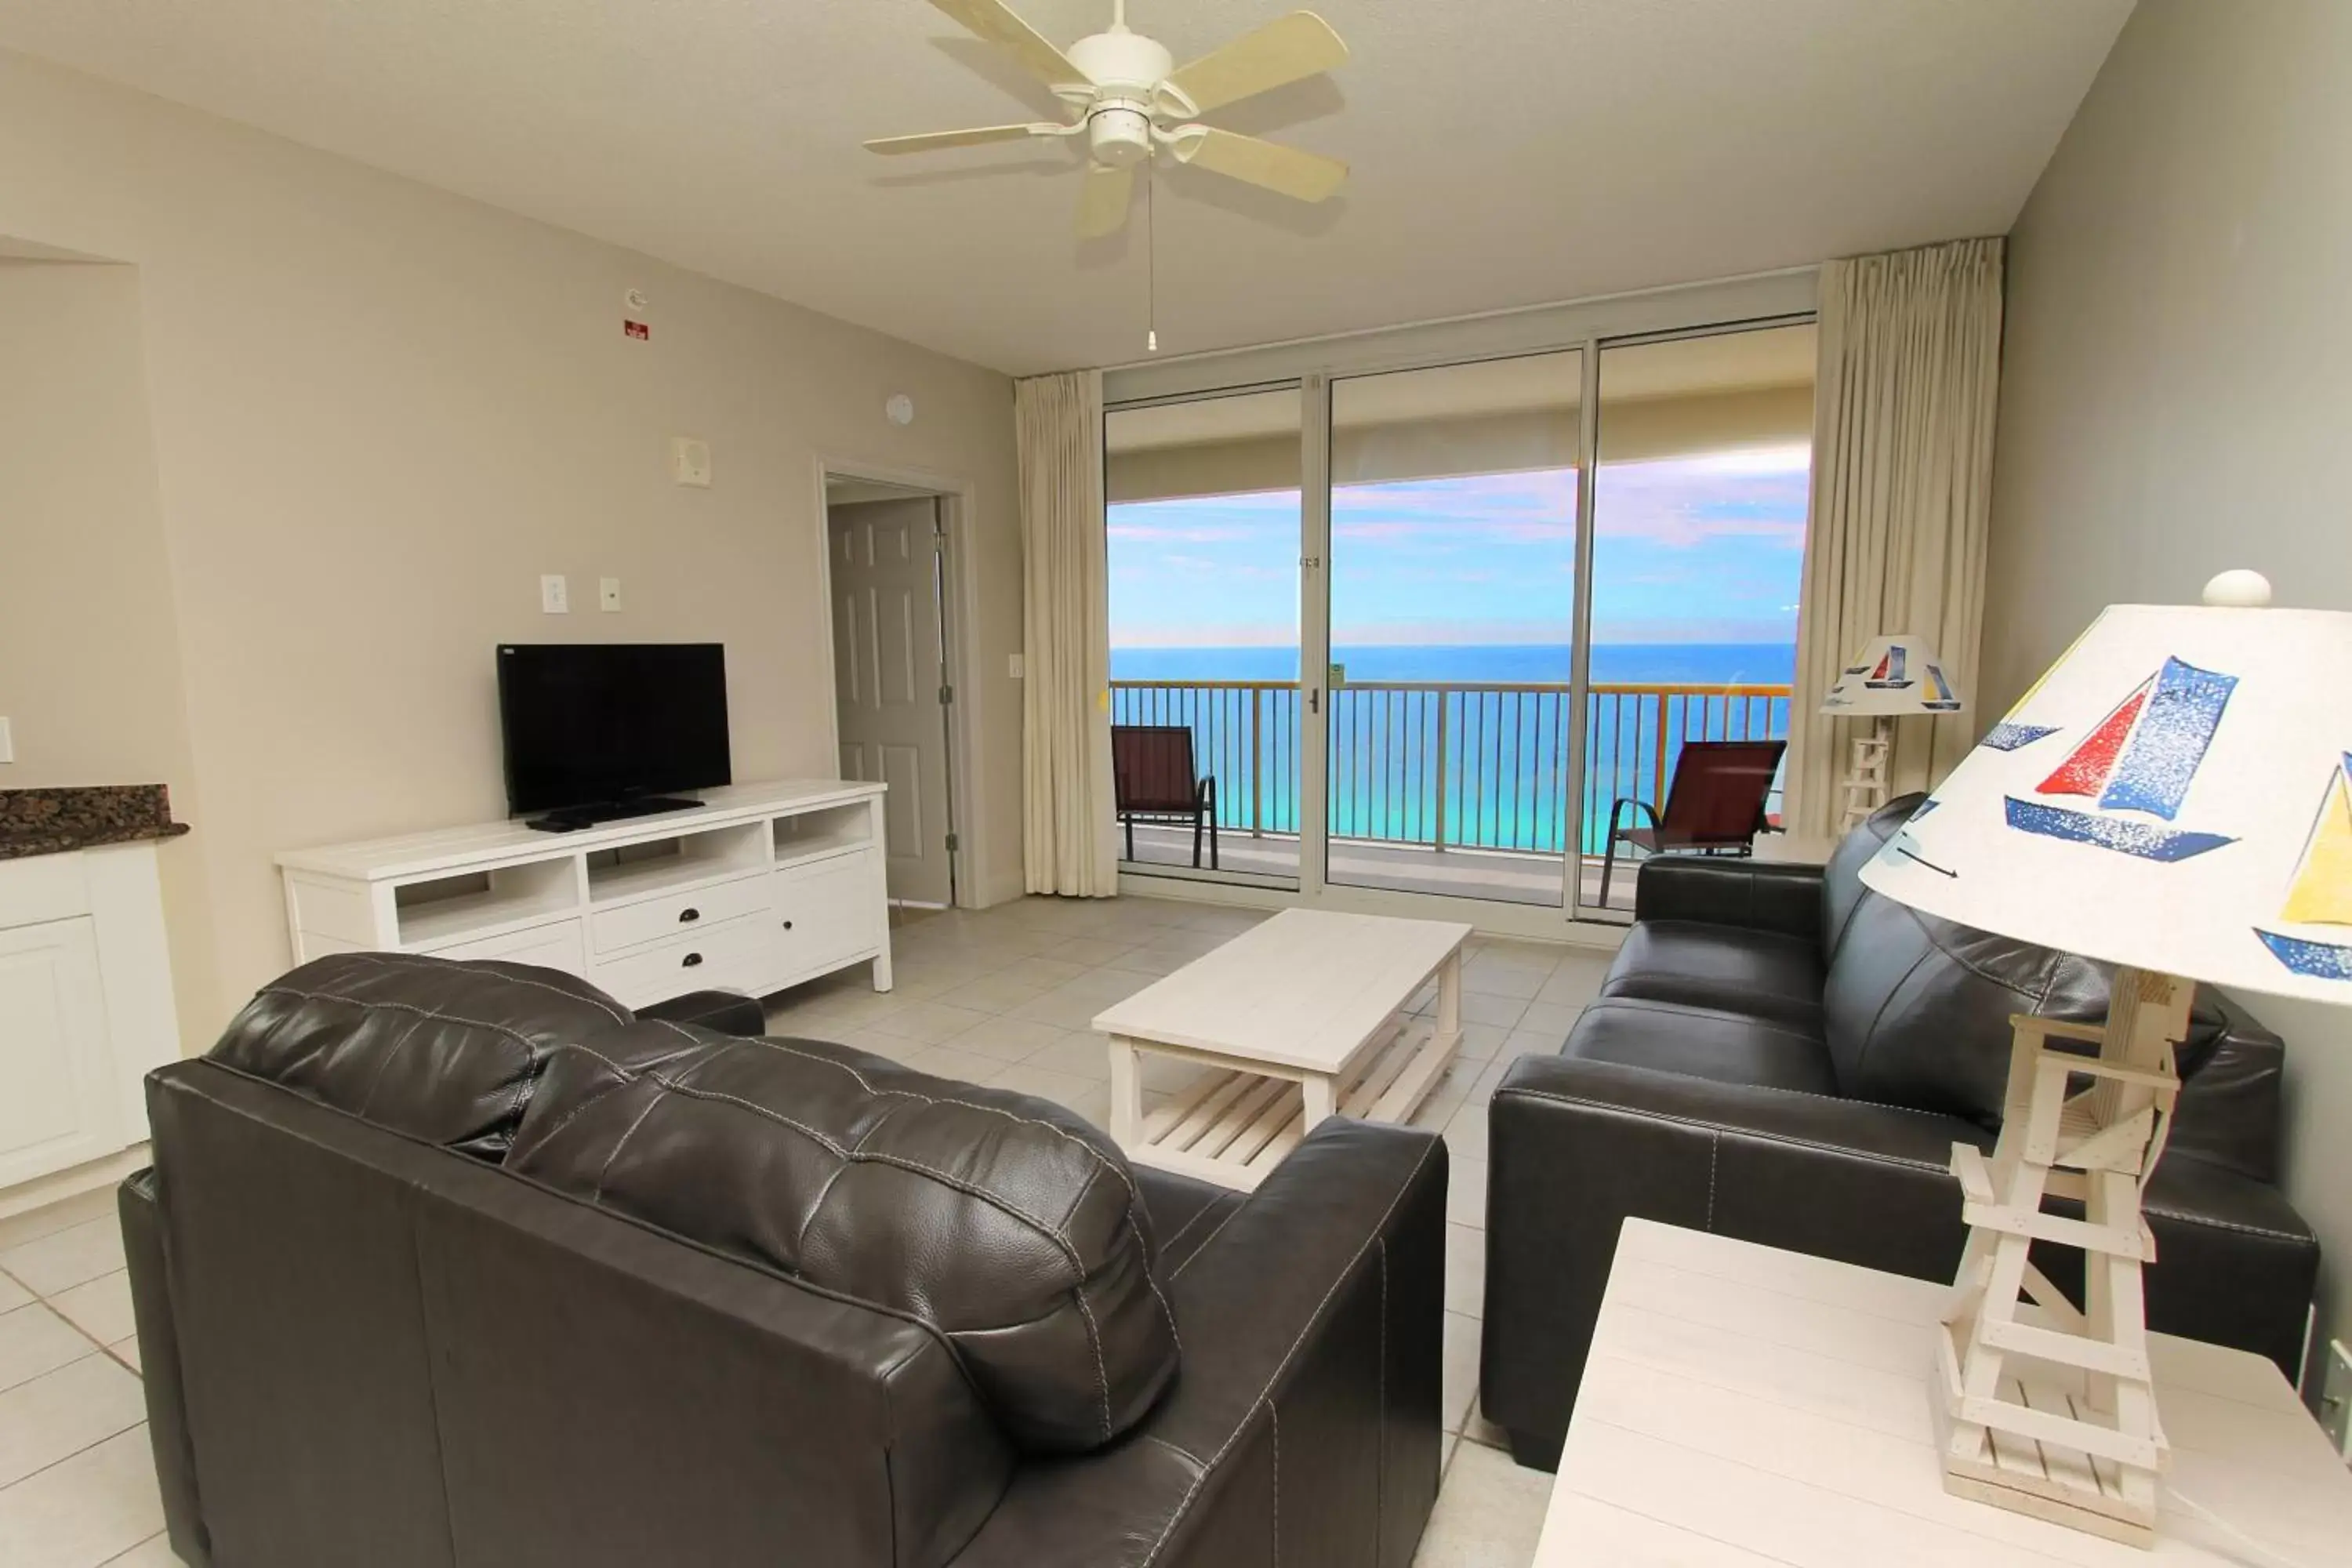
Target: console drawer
x,y
737,956
552,946
677,914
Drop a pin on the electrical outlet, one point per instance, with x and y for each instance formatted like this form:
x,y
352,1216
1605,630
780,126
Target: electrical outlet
x,y
608,593
690,461
554,596
2335,1398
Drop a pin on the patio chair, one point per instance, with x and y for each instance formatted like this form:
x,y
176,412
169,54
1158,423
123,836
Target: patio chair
x,y
1715,807
1152,765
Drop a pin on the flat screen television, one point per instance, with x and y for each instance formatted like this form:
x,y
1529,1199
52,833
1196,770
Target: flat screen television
x,y
599,730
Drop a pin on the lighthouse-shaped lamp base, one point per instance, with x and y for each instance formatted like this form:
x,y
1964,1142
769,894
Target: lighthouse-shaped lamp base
x,y
2041,1406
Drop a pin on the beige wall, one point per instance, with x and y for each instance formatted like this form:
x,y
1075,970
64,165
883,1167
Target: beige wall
x,y
2178,370
89,650
380,412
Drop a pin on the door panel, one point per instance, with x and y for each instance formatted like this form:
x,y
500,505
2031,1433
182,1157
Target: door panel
x,y
57,1107
888,677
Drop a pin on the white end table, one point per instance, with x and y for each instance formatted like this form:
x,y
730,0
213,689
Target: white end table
x,y
1744,1405
1304,1017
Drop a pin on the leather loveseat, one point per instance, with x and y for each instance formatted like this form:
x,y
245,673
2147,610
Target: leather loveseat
x,y
1781,1055
453,1264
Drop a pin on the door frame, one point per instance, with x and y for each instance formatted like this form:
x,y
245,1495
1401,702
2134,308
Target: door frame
x,y
958,639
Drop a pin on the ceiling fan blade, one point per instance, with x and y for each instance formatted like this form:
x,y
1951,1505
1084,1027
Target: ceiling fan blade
x,y
1305,176
1102,205
993,20
937,139
1297,46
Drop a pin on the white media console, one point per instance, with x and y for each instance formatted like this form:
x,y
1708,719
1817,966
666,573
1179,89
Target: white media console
x,y
763,887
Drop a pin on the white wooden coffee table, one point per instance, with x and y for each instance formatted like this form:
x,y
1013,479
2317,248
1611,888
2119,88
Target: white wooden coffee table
x,y
1305,1015
1746,1405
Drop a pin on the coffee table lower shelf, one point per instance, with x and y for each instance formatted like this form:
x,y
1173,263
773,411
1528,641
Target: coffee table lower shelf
x,y
1234,1124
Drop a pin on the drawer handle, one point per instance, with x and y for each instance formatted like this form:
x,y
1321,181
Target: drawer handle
x,y
690,960
788,925
686,915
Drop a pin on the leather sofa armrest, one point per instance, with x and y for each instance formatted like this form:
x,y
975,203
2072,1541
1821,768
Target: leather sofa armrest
x,y
2234,1263
1308,1398
1575,1147
138,1200
727,1011
1757,895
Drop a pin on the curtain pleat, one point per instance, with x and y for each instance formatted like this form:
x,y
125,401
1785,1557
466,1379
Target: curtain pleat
x,y
1069,842
1903,430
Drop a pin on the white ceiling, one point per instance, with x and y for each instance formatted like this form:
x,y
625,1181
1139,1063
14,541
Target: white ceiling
x,y
1507,151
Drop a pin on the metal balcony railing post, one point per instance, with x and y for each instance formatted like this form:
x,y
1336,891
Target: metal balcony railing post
x,y
1439,841
1257,767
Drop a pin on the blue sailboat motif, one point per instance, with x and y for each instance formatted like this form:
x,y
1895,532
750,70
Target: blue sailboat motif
x,y
2009,735
1889,675
2141,758
1943,698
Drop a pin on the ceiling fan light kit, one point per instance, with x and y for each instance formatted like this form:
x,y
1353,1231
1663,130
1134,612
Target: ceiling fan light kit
x,y
1131,101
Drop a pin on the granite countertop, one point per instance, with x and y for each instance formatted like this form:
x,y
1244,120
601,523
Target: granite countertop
x,y
53,821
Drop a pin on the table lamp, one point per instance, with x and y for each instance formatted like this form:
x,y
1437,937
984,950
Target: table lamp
x,y
2171,797
1892,678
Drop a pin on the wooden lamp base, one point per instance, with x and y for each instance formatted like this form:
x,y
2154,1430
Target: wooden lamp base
x,y
1866,773
2050,1411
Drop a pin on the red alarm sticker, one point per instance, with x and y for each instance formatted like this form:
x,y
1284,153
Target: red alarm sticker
x,y
636,330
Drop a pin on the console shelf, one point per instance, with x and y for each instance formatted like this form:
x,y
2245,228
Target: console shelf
x,y
762,887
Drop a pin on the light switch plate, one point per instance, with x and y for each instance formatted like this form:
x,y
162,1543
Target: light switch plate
x,y
608,593
554,596
690,461
1015,666
8,743
2335,1397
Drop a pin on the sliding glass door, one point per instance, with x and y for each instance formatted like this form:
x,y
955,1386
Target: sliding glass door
x,y
1201,503
1454,631
1452,604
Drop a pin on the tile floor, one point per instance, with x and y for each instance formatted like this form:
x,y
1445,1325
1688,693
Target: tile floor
x,y
999,997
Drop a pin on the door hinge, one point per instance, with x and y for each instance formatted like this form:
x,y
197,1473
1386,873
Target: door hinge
x,y
947,695
951,844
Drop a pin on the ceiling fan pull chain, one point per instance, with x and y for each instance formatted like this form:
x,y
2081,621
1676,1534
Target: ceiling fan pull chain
x,y
1150,267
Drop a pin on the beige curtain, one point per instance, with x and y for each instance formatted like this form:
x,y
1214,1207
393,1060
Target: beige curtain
x,y
1903,428
1069,842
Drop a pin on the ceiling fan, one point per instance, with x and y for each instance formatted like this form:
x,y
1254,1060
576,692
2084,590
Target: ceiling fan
x,y
1131,101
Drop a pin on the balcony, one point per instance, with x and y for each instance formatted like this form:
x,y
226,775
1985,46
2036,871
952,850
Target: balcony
x,y
1440,787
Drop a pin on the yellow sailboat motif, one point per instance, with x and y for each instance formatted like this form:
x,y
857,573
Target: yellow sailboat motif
x,y
2321,893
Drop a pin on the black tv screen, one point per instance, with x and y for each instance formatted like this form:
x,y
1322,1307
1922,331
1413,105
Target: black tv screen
x,y
597,723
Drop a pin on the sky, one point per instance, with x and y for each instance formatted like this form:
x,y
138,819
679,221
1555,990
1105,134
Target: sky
x,y
1687,550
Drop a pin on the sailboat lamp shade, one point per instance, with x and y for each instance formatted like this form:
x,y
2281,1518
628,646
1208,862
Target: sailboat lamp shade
x,y
2174,793
1893,677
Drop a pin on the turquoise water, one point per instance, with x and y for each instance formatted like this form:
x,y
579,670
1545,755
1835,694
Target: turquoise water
x,y
1484,769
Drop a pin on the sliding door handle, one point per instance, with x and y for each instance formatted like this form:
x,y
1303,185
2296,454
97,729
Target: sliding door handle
x,y
1315,700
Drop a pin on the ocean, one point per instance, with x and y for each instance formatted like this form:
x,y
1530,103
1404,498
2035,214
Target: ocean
x,y
1476,768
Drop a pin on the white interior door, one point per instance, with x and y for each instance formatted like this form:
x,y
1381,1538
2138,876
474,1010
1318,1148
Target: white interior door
x,y
890,679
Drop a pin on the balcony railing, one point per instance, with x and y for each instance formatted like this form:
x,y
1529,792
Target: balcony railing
x,y
1447,764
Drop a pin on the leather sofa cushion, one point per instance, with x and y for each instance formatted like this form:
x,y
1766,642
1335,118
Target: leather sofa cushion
x,y
1702,1042
444,1051
1006,1224
1760,974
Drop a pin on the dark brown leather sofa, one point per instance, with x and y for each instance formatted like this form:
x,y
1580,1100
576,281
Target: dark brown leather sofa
x,y
464,1264
1781,1055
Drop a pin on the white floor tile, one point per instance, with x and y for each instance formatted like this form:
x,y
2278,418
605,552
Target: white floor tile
x,y
59,1414
155,1552
57,1262
963,1067
926,1023
34,1339
1009,1040
12,1295
1465,1135
81,1511
1466,1194
126,1350
1458,1371
1553,1018
99,1308
1502,1012
1081,1053
1088,1098
1486,976
50,1218
1489,1513
1465,1270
